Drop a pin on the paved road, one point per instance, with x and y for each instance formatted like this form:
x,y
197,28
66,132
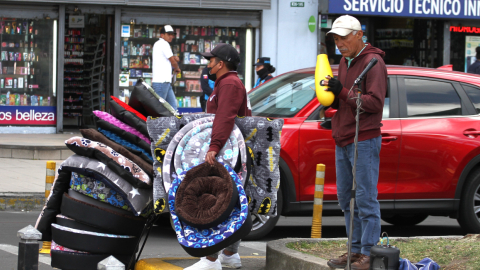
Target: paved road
x,y
162,242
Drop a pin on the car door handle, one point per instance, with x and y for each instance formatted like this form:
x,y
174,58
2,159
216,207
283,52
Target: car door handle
x,y
471,132
389,138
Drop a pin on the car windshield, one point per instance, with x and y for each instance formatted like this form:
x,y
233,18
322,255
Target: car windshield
x,y
283,96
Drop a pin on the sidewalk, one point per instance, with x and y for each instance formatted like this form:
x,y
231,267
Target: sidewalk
x,y
23,160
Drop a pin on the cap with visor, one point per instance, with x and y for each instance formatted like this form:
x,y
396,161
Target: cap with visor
x,y
344,25
225,52
167,29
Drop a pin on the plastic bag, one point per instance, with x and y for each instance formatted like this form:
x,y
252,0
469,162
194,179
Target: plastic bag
x,y
424,264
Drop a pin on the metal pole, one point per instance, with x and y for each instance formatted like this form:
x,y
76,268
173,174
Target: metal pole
x,y
318,202
110,263
28,248
354,184
49,179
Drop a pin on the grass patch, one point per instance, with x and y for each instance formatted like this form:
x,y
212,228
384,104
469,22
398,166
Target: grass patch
x,y
450,254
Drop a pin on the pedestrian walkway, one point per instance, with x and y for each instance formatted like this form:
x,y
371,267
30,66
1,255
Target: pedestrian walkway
x,y
23,160
35,146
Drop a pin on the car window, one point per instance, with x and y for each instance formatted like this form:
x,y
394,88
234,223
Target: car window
x,y
474,95
431,98
283,96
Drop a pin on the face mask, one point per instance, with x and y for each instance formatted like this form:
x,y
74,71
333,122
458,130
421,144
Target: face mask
x,y
211,76
262,73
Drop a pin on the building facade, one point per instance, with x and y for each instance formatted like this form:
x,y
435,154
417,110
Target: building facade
x,y
63,59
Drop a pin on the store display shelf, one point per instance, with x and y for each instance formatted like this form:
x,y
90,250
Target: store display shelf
x,y
74,36
73,107
73,92
72,114
5,74
67,42
73,100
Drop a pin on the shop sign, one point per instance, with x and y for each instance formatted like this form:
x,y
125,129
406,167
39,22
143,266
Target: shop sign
x,y
312,25
466,9
76,21
465,29
297,4
28,115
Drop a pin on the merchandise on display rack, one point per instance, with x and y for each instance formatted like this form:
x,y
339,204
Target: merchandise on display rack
x,y
26,73
83,71
137,49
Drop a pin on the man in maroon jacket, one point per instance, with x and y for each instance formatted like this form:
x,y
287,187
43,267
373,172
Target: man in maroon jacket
x,y
347,33
228,99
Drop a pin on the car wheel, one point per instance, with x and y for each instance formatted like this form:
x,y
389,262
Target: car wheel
x,y
262,225
405,219
469,216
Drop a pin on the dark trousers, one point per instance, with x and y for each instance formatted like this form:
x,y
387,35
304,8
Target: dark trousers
x,y
203,103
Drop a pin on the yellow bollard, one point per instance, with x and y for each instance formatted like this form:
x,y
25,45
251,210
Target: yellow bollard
x,y
318,202
51,165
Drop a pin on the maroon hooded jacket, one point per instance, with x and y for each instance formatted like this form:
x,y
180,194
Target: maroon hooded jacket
x,y
374,89
228,99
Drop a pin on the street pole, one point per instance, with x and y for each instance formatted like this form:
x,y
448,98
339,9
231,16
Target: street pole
x,y
28,248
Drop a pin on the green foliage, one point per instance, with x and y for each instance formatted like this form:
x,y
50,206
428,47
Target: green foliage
x,y
450,254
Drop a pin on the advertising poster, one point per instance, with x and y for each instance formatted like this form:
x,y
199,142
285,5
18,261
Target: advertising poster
x,y
76,21
471,42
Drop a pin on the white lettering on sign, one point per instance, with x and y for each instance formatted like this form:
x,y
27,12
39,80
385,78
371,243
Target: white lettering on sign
x,y
7,116
32,116
467,8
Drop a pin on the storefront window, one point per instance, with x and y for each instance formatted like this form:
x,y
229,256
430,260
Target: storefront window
x,y
27,80
136,57
405,41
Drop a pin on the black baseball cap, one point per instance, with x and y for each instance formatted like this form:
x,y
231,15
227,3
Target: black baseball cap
x,y
262,61
225,52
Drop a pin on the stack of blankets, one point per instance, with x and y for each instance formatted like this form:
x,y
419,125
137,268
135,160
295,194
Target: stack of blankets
x,y
103,193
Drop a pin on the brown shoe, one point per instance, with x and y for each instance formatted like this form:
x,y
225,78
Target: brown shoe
x,y
362,263
341,262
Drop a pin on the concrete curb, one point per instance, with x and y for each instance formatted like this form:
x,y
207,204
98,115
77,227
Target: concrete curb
x,y
281,257
21,201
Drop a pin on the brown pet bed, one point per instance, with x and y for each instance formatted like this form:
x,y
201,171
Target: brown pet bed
x,y
206,196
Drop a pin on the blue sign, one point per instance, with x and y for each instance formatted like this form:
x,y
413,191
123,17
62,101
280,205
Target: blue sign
x,y
459,9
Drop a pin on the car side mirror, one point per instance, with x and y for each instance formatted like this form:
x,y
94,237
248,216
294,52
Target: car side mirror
x,y
327,123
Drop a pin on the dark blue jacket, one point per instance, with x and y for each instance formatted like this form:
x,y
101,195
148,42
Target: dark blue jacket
x,y
475,68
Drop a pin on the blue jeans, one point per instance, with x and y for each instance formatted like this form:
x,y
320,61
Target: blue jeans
x,y
366,222
165,91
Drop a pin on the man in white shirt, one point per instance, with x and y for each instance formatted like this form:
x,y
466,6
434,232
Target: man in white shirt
x,y
163,61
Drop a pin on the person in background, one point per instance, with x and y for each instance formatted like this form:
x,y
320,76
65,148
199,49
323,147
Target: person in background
x,y
228,99
207,88
163,61
475,67
347,33
264,70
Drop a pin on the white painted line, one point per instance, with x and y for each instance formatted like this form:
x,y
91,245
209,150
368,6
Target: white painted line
x,y
260,246
14,250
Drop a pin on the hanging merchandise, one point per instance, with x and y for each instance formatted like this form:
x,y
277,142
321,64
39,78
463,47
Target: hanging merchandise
x,y
236,226
258,137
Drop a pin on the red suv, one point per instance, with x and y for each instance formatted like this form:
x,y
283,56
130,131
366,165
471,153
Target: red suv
x,y
430,157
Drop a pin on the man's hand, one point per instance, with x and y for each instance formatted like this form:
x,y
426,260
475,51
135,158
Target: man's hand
x,y
335,85
177,70
210,157
176,58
